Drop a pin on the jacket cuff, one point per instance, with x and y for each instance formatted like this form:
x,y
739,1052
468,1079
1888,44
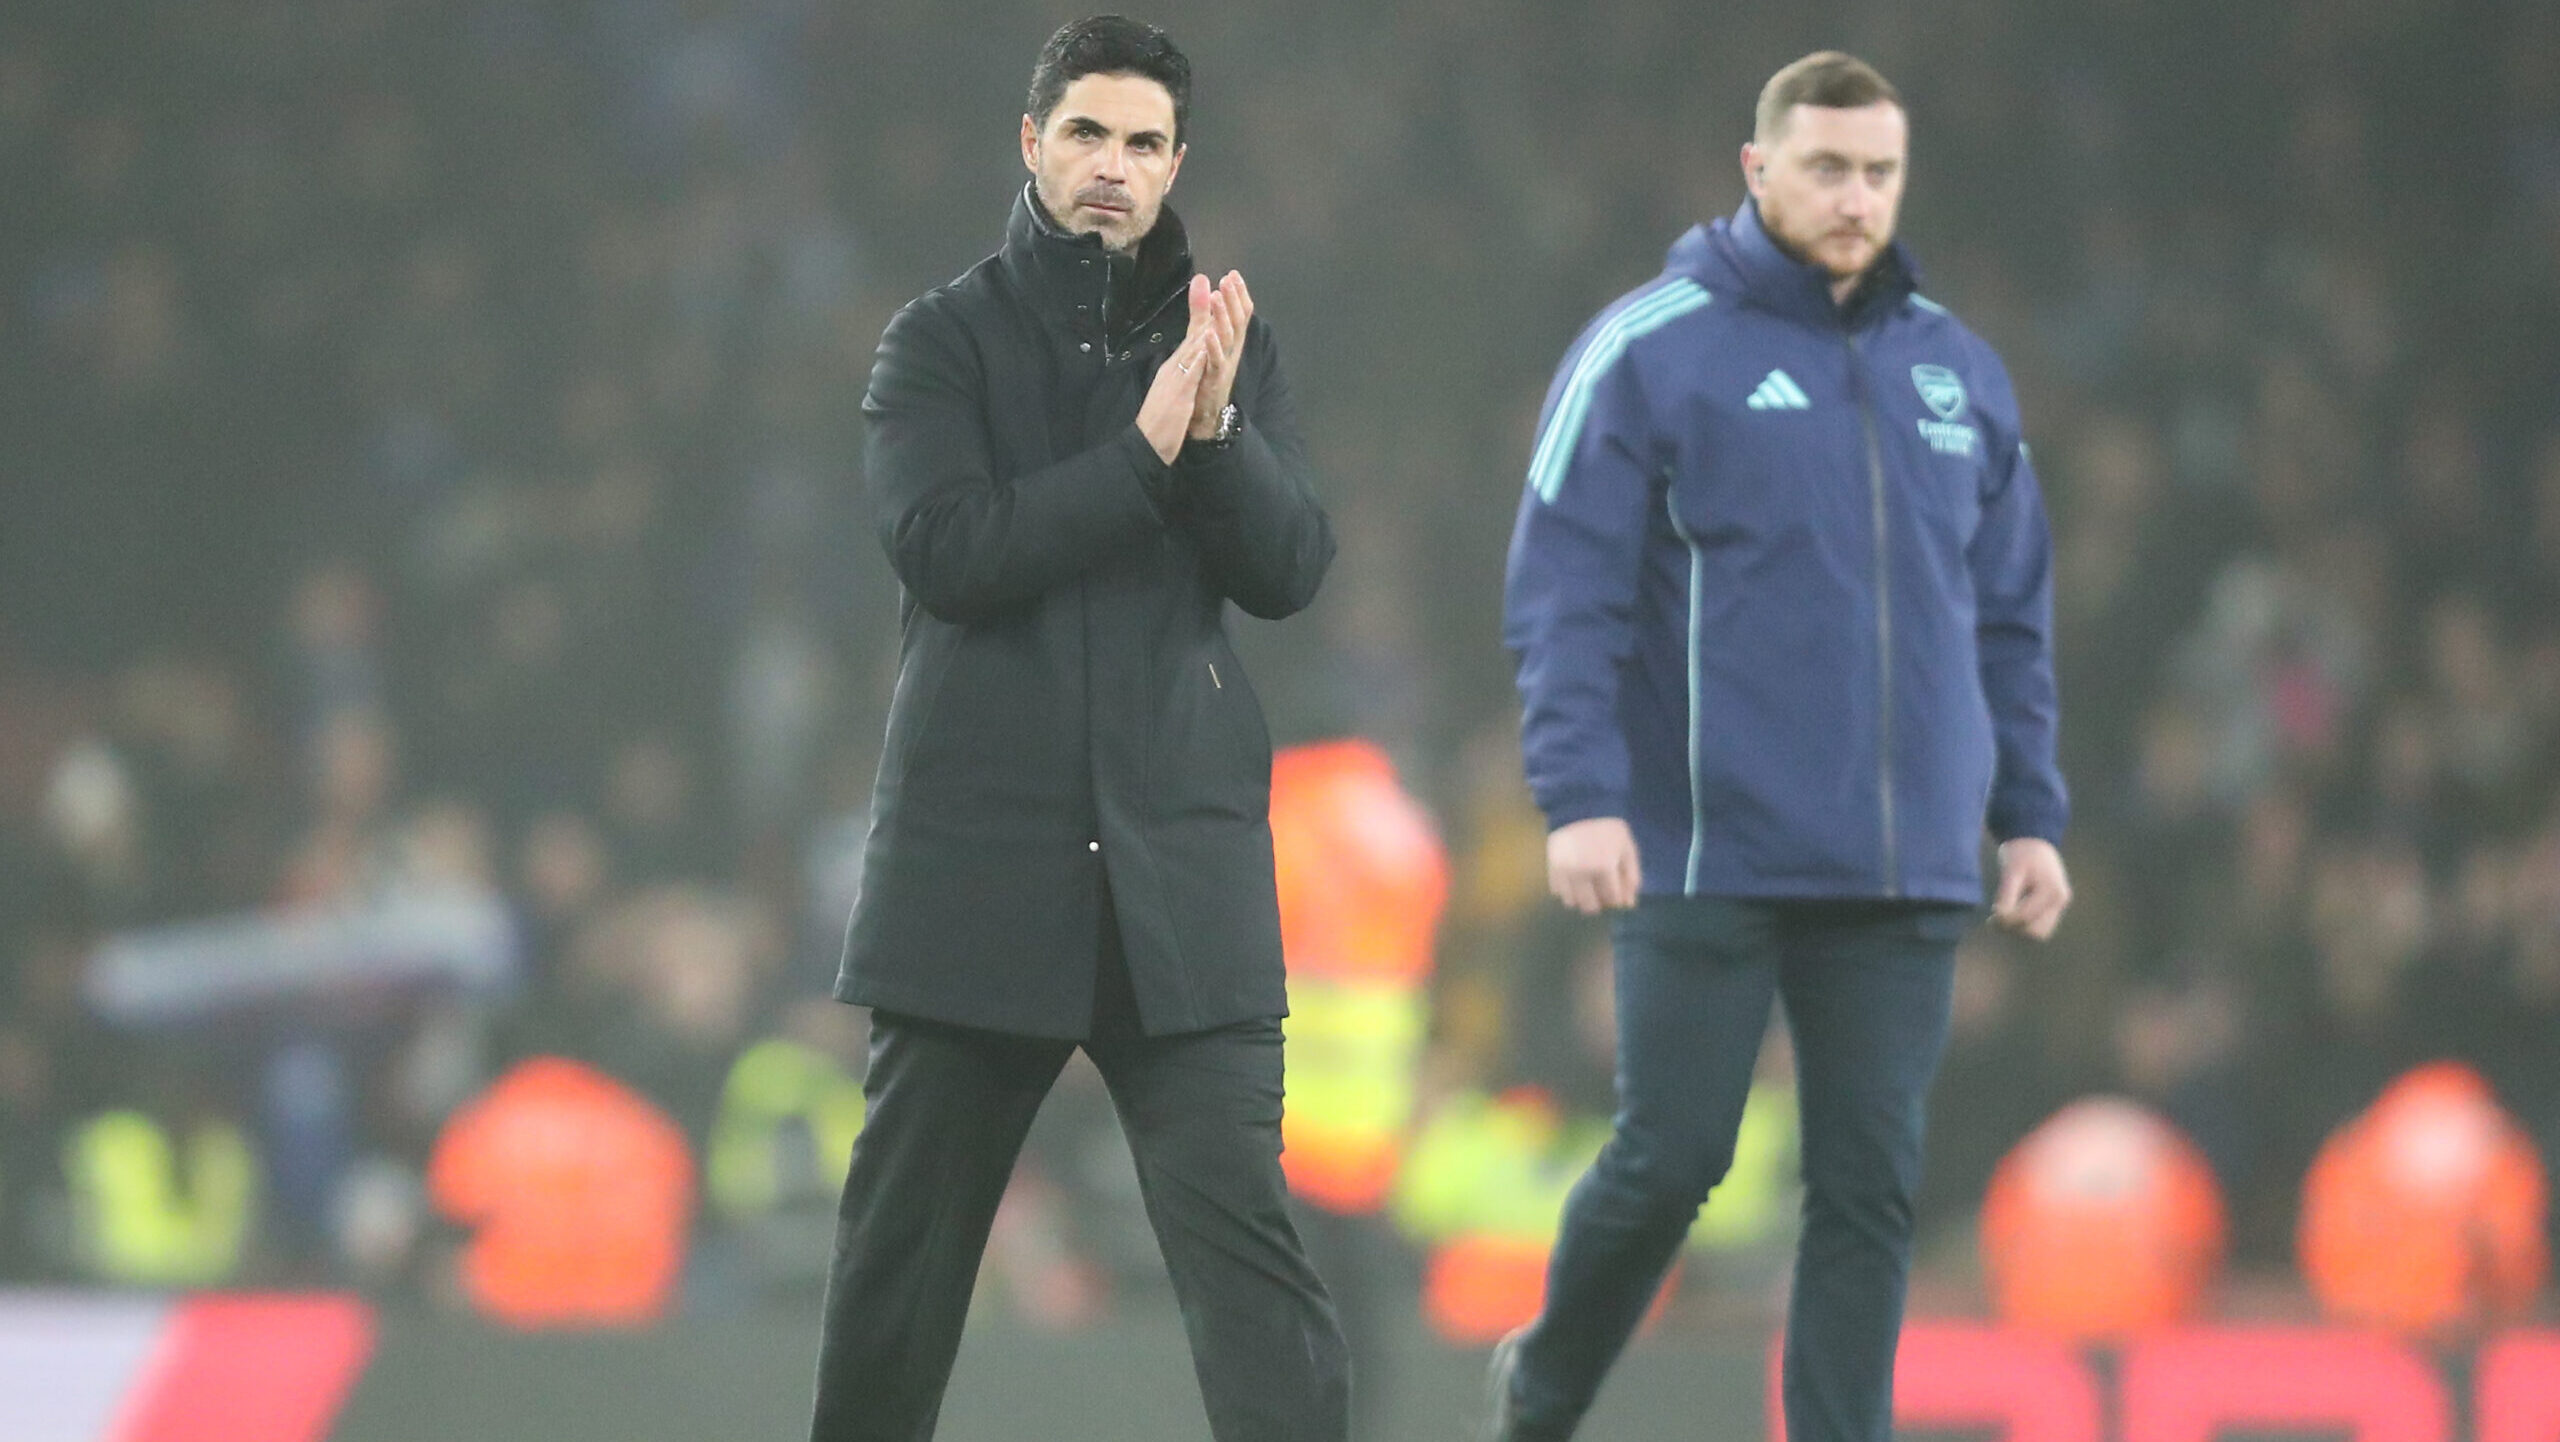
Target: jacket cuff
x,y
1562,811
1154,476
2044,822
1203,454
1212,476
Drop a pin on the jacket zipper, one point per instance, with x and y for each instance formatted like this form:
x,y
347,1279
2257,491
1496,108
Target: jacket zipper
x,y
1104,322
1102,315
1884,624
1143,322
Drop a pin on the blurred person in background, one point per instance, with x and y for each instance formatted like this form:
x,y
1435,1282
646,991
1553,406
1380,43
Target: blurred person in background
x,y
1072,478
1363,880
1780,591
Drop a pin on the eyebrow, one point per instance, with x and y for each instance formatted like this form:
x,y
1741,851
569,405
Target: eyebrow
x,y
1820,156
1072,119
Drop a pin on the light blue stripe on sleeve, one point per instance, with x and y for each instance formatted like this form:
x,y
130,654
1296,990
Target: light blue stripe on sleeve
x,y
1554,452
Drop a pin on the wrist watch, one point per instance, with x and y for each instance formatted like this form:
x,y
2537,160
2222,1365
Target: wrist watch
x,y
1230,423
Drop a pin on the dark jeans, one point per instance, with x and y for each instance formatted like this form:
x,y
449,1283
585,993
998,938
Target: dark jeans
x,y
949,1107
1866,986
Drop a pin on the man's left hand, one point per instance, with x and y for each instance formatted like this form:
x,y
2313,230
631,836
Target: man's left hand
x,y
2034,887
1219,316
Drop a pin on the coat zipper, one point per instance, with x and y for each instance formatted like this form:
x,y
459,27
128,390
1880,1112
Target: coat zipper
x,y
1143,322
1102,316
1108,354
1884,625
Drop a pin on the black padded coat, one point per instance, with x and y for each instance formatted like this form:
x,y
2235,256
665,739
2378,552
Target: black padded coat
x,y
1069,714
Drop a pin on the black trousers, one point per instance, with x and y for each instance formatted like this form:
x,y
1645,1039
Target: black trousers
x,y
948,1109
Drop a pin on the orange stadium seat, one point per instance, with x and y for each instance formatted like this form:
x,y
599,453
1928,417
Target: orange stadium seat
x,y
2424,1215
2103,1222
580,1192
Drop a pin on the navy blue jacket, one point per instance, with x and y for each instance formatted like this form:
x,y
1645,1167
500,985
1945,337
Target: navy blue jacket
x,y
1781,586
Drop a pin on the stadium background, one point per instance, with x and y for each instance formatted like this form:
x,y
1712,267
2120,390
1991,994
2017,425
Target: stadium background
x,y
429,468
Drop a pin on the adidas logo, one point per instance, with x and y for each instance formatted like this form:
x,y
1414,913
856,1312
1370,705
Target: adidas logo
x,y
1779,393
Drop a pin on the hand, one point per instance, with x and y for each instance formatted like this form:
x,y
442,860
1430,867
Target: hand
x,y
2034,889
1218,318
1592,865
1165,414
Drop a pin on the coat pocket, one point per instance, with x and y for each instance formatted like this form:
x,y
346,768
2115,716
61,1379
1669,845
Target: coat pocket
x,y
1213,754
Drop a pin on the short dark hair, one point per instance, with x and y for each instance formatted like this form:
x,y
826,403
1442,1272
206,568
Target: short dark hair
x,y
1827,79
1109,45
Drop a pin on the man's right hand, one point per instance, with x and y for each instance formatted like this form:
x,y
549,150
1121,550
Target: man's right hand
x,y
1164,417
1592,865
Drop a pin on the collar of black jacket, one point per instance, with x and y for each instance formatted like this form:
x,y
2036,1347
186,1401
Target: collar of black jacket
x,y
1094,288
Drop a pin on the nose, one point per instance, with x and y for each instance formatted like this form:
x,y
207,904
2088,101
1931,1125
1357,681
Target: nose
x,y
1860,204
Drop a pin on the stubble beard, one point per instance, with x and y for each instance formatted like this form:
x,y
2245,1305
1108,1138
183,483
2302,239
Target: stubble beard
x,y
1818,254
1867,262
1132,232
1812,253
1063,208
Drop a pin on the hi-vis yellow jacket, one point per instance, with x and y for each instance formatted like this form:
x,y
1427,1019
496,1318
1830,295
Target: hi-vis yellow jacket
x,y
1363,879
152,1210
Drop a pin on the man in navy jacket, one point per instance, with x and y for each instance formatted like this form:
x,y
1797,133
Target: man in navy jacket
x,y
1781,597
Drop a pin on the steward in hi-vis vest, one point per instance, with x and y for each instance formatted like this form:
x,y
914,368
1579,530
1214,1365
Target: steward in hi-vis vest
x,y
1363,879
152,1210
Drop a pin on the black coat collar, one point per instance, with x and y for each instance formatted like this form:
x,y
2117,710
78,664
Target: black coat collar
x,y
1089,286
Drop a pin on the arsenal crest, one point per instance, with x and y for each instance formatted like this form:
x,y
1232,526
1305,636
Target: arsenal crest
x,y
1940,388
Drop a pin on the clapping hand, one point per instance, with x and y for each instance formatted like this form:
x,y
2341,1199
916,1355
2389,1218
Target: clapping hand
x,y
1194,383
1219,317
1164,417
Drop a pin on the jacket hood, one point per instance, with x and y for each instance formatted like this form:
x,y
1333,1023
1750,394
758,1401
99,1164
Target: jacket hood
x,y
1735,255
1059,268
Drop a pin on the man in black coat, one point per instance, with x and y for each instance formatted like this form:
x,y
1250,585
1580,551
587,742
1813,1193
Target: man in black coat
x,y
1079,453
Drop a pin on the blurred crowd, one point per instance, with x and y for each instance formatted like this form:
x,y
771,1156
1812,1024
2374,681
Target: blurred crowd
x,y
430,455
